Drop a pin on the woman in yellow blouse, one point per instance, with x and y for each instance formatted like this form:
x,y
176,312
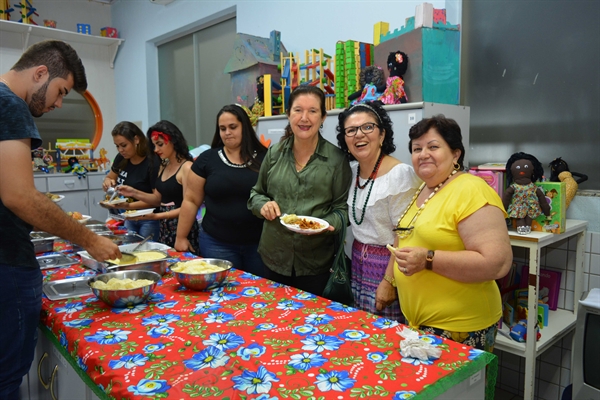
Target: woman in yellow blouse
x,y
452,242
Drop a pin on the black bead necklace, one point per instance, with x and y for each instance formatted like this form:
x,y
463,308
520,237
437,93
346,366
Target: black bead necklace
x,y
358,186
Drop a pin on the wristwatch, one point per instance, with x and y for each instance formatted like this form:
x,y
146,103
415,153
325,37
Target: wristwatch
x,y
429,258
390,280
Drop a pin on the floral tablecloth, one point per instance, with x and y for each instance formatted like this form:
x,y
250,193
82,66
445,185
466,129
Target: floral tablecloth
x,y
249,339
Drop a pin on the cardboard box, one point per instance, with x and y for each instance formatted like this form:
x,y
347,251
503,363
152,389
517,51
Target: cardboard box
x,y
555,193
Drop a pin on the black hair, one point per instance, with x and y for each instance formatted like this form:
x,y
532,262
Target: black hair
x,y
448,129
250,143
375,108
175,136
300,91
538,169
397,68
60,59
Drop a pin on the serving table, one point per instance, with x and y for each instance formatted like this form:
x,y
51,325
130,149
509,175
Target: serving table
x,y
249,339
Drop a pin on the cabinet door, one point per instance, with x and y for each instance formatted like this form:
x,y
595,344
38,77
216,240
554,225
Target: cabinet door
x,y
96,211
65,384
75,201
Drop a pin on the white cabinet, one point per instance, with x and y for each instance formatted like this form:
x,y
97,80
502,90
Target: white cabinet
x,y
51,377
82,195
561,322
95,195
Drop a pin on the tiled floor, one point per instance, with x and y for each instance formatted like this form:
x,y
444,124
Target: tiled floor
x,y
504,395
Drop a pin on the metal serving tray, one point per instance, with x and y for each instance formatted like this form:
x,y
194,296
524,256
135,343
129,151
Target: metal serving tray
x,y
117,239
67,288
55,260
158,266
43,242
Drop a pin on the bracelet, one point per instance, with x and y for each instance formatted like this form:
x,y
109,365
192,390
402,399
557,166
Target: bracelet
x,y
390,280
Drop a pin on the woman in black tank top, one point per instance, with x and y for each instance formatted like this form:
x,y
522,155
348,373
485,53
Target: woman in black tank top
x,y
167,141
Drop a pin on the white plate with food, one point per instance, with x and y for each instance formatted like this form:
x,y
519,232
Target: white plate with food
x,y
303,223
137,213
114,202
55,197
84,219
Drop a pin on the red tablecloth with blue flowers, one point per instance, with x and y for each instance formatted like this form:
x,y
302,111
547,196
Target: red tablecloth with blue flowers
x,y
249,339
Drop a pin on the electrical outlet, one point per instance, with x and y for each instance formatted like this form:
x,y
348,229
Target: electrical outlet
x,y
475,378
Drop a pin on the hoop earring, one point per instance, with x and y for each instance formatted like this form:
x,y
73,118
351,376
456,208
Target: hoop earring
x,y
321,126
456,166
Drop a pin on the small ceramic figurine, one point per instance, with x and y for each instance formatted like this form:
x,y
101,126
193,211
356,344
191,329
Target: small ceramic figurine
x,y
523,200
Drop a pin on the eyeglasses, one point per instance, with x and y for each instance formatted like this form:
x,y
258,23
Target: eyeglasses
x,y
365,128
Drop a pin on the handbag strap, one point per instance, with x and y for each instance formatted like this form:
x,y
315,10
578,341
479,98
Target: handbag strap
x,y
341,234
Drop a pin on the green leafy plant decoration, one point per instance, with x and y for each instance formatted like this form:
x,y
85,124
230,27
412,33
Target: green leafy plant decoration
x,y
385,369
126,348
202,391
156,370
368,392
277,344
346,361
298,393
380,341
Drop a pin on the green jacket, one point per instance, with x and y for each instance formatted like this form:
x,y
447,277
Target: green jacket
x,y
318,189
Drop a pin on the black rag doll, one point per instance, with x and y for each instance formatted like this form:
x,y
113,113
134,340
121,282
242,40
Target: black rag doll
x,y
397,63
523,200
559,172
372,82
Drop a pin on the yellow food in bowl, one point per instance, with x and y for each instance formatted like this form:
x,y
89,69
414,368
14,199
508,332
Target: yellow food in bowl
x,y
120,284
196,267
145,256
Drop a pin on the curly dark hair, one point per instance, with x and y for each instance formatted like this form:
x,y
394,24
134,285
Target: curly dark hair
x,y
175,136
371,74
538,168
375,108
250,143
448,129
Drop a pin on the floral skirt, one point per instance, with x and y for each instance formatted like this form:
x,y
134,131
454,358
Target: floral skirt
x,y
483,339
369,263
168,230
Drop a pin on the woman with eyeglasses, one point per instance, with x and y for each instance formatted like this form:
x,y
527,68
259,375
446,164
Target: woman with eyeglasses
x,y
452,242
381,188
306,175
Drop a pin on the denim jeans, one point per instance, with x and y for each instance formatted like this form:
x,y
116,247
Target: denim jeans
x,y
144,228
20,306
244,257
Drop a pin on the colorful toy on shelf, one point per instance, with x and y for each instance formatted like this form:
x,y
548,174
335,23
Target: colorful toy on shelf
x,y
253,57
81,149
39,164
27,10
77,169
317,70
519,331
103,162
86,29
350,58
5,10
372,81
397,63
523,200
49,23
107,31
559,172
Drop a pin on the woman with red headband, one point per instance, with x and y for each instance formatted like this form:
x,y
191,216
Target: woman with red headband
x,y
134,166
168,143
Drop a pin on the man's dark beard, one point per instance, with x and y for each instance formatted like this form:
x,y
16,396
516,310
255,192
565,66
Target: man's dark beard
x,y
38,101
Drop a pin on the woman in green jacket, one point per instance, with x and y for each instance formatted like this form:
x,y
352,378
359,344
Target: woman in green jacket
x,y
305,175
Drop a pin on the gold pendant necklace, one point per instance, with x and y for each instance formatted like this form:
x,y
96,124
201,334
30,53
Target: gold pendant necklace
x,y
403,233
